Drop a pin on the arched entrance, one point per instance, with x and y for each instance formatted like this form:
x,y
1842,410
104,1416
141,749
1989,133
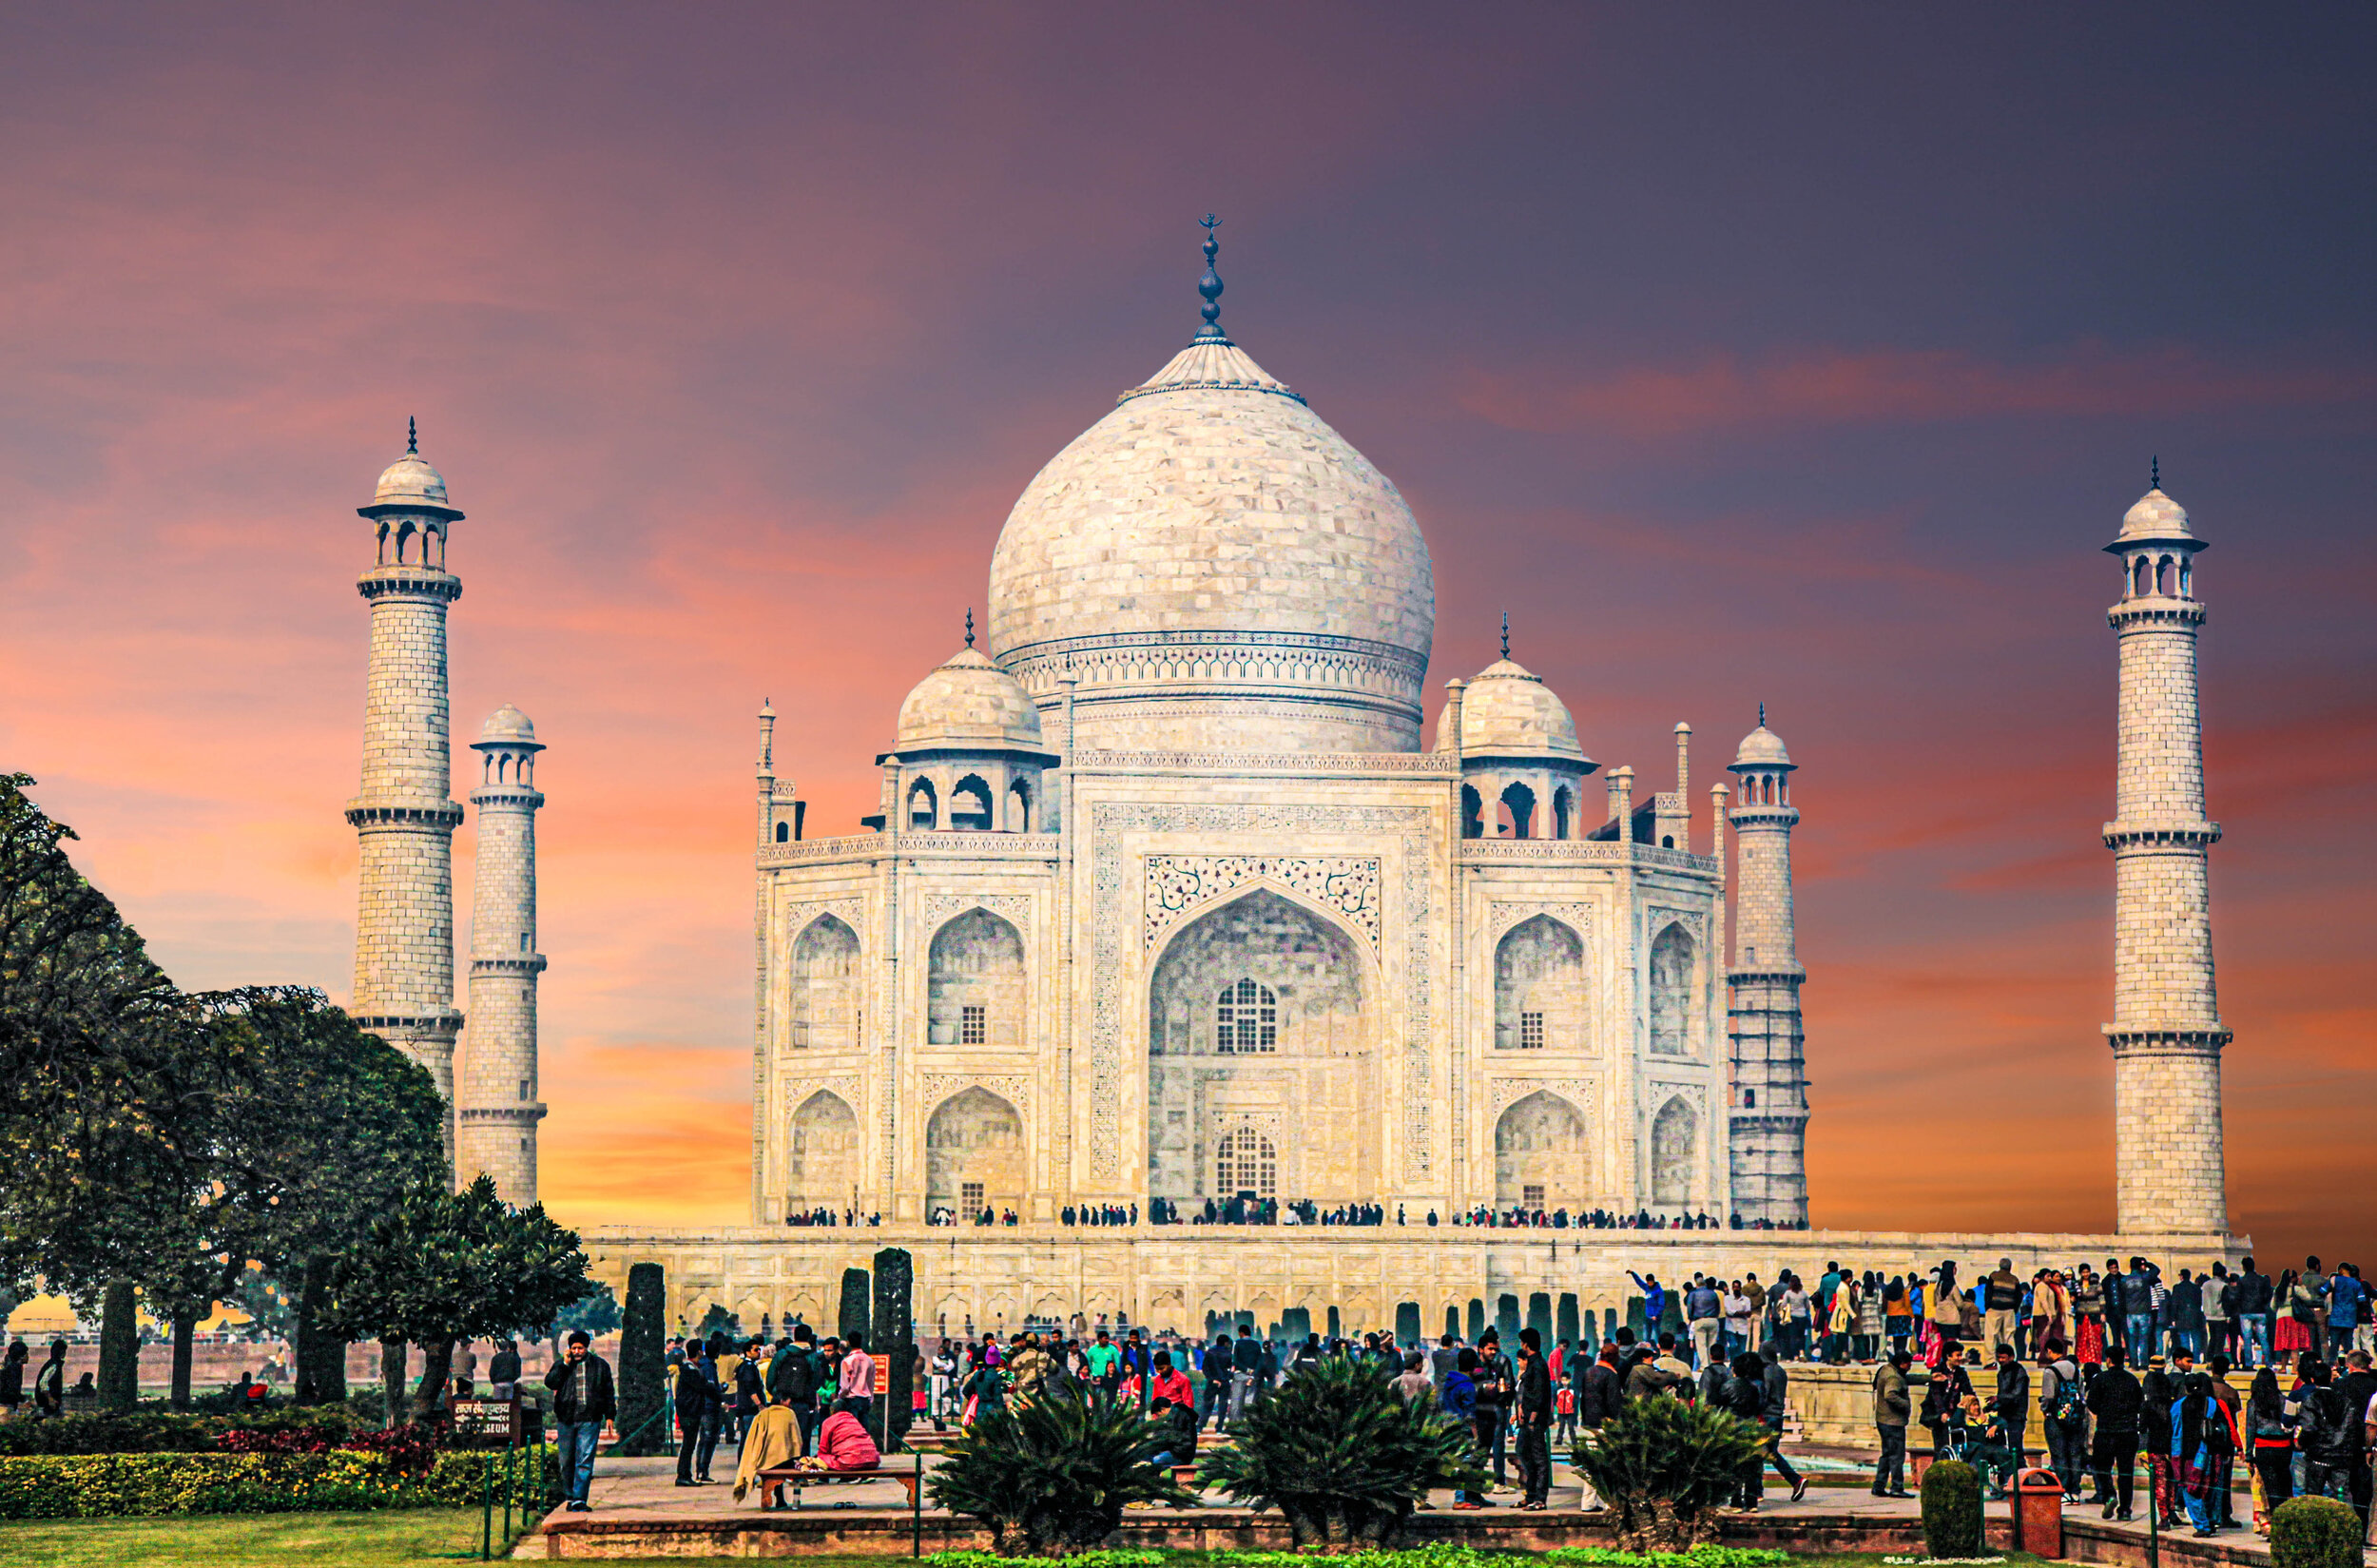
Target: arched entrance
x,y
1674,1153
825,1001
821,1166
1539,988
1540,1156
1257,1020
974,1156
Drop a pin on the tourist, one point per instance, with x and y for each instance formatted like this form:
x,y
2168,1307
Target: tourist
x,y
503,1371
2141,1333
1653,1300
12,1379
2064,1414
2088,1317
1898,1314
1840,1321
1774,1413
1704,1316
2290,1320
1460,1399
1497,1389
2357,1386
2002,1295
2010,1404
2219,1302
793,1380
1604,1390
1412,1381
1799,1320
1216,1368
1171,1384
2327,1434
1535,1422
855,1381
1440,1362
692,1395
1740,1313
1867,1347
1946,1319
750,1388
1946,1410
49,1383
2347,1310
844,1445
2116,1402
2253,1295
2160,1393
1103,1361
2269,1433
2203,1445
584,1398
1892,1405
2185,1304
1246,1372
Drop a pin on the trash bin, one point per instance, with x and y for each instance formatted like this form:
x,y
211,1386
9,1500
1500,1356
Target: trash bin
x,y
2039,1512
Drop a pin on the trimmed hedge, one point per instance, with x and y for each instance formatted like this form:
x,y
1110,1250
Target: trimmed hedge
x,y
1435,1555
1951,1500
148,1485
2314,1533
160,1432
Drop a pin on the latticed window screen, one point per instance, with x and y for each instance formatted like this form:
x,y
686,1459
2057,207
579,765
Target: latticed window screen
x,y
1531,1031
970,1198
1247,1163
1531,1197
1246,1019
973,1024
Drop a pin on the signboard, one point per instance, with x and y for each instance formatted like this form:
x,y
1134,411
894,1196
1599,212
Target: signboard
x,y
477,1418
882,1377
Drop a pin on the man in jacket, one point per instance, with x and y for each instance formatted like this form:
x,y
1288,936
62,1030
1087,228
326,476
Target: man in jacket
x,y
2253,1291
692,1391
2011,1403
750,1387
792,1379
1535,1421
2142,1340
2002,1297
1602,1392
1892,1405
1246,1371
584,1398
1215,1364
1777,1407
2359,1386
1704,1313
2118,1403
2063,1416
2331,1435
1498,1386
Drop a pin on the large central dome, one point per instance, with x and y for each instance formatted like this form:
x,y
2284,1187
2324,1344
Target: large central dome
x,y
1217,569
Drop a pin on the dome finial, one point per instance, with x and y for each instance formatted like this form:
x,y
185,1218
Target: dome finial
x,y
969,626
1506,634
2157,482
1762,714
411,436
1210,285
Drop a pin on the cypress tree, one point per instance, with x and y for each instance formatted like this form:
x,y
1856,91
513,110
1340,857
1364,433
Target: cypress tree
x,y
119,1349
894,1338
642,1366
853,1318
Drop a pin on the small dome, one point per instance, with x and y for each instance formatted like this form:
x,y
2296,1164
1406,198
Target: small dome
x,y
409,484
1508,711
2155,516
508,726
1763,747
968,702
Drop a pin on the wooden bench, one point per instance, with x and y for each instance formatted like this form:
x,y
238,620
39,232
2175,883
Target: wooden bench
x,y
772,1484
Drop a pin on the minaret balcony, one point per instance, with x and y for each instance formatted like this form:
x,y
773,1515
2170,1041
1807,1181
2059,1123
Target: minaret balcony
x,y
410,582
2150,836
2156,612
527,963
2188,1038
401,814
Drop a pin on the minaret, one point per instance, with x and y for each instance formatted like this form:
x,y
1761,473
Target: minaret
x,y
2166,1033
1770,1111
498,1105
405,821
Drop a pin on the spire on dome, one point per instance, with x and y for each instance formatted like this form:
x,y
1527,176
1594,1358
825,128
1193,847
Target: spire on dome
x,y
1762,713
412,434
969,626
2157,482
1210,286
1506,634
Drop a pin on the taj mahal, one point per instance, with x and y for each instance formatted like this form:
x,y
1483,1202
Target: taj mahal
x,y
1181,898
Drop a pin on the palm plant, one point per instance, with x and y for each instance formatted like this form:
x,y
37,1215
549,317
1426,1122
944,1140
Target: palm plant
x,y
1341,1457
1050,1478
1665,1467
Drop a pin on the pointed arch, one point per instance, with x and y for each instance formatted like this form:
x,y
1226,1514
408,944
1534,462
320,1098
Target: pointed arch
x,y
822,1163
1563,813
1516,816
1673,1013
1539,987
969,804
1674,1145
824,1011
923,806
975,985
1540,1155
973,1156
1472,813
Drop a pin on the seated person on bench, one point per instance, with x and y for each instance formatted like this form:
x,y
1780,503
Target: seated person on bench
x,y
842,1445
1996,1455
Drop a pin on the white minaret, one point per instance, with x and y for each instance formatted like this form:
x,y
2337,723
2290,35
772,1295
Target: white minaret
x,y
2171,1174
497,1106
403,818
1770,1111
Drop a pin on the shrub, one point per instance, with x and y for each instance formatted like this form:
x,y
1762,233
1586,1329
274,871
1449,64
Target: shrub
x,y
1341,1457
119,1486
1665,1467
1050,1478
1952,1510
2314,1533
161,1432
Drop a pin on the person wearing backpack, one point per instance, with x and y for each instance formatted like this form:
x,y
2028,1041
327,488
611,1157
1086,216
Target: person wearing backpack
x,y
792,1379
2063,1411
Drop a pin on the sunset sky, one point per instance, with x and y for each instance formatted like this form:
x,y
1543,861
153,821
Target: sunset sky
x,y
1798,354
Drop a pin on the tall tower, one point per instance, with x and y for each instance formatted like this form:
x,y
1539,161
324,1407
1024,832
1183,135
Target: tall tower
x,y
2170,1172
405,821
1769,1111
497,1098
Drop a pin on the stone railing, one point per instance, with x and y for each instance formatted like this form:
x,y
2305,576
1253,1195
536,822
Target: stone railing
x,y
1602,851
875,846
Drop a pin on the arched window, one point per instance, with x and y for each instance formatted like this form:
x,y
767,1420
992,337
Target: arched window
x,y
1472,809
783,832
1245,1020
1672,1010
1518,812
923,806
970,805
1674,1154
2139,570
1246,1162
2187,578
1563,812
2166,581
1019,802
